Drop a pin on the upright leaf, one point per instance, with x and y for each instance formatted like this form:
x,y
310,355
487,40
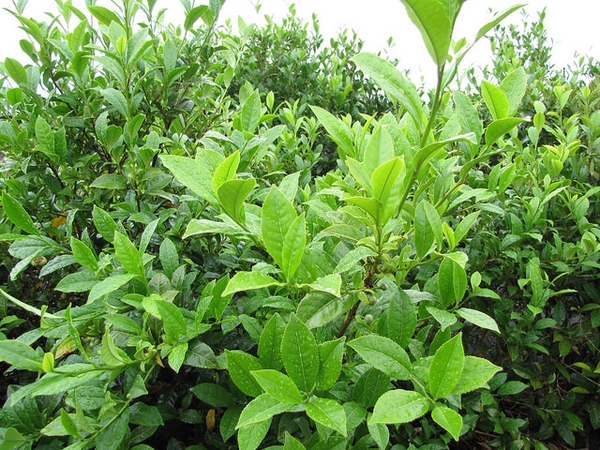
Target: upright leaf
x,y
300,354
269,346
452,282
448,419
84,255
17,214
514,86
251,112
193,174
330,355
432,20
401,319
232,195
129,257
447,367
338,130
327,412
294,244
278,385
240,365
226,170
380,149
495,99
278,215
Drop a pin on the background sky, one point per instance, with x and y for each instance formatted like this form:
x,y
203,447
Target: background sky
x,y
572,26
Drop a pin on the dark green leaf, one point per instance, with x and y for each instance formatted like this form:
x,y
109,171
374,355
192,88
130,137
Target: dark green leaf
x,y
383,354
446,367
300,354
240,365
17,214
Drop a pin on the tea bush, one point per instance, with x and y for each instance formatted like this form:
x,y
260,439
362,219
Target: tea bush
x,y
179,275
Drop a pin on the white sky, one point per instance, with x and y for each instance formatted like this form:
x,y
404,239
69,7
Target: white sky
x,y
572,26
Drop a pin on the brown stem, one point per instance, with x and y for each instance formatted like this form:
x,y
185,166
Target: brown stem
x,y
349,318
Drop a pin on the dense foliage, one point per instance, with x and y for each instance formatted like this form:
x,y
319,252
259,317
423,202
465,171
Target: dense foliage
x,y
192,255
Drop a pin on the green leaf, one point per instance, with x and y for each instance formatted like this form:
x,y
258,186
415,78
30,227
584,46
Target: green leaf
x,y
147,415
84,255
123,322
17,214
269,346
247,281
240,365
495,99
380,434
129,257
446,367
110,181
387,181
399,406
292,443
232,195
193,174
104,223
45,137
448,419
452,282
435,26
393,83
16,71
337,130
327,412
213,395
424,235
108,285
444,318
250,437
370,386
260,409
20,355
173,321
294,244
468,116
478,318
320,308
279,386
383,354
300,354
77,282
380,149
476,373
203,12
360,174
514,86
117,101
104,15
500,127
169,258
511,388
350,259
112,437
251,112
111,354
401,319
204,226
226,170
331,354
429,151
278,215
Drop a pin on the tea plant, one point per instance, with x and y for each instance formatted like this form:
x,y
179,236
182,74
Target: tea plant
x,y
180,276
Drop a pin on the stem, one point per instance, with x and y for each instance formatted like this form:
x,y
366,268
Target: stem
x,y
26,307
349,318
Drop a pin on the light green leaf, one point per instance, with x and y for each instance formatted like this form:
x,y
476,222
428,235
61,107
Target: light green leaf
x,y
327,412
44,136
476,373
514,86
251,112
232,194
300,354
399,406
20,355
383,354
260,409
448,419
250,437
193,174
117,100
401,319
204,226
240,365
199,12
177,356
446,367
226,170
16,71
77,282
104,15
500,127
104,223
108,285
83,254
129,257
338,130
478,318
495,99
277,385
247,281
320,308
444,318
331,284
173,321
380,149
360,174
350,259
370,386
269,346
452,282
393,83
387,181
292,443
294,244
380,434
424,235
278,215
17,214
110,181
330,355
